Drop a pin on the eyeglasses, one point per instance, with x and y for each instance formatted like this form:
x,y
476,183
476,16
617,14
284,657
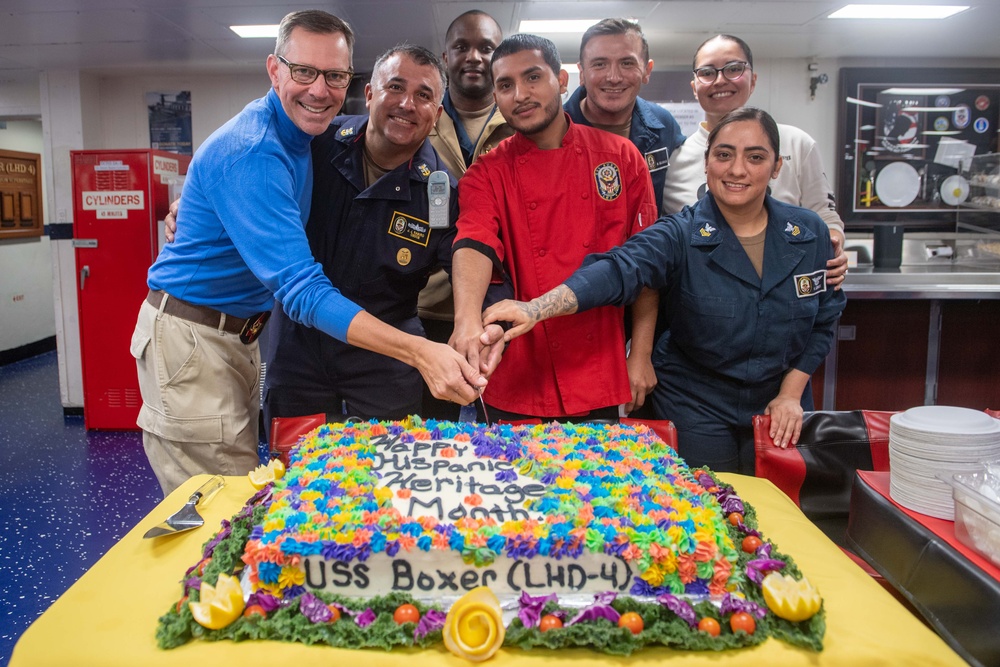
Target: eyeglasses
x,y
304,74
732,71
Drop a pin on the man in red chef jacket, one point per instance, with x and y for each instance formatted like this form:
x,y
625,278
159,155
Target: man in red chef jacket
x,y
533,208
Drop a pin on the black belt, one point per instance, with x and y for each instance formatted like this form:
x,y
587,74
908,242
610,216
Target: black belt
x,y
248,328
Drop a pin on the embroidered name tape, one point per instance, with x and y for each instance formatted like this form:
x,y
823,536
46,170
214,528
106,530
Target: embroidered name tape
x,y
658,159
409,228
810,284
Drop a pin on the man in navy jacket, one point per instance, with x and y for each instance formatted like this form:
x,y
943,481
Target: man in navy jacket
x,y
614,65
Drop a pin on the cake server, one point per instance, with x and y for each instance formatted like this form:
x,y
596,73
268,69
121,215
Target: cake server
x,y
187,517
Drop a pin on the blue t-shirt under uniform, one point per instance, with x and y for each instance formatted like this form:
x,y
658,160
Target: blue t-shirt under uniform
x,y
241,239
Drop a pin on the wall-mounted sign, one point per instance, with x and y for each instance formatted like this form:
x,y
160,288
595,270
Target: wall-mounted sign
x,y
20,194
170,121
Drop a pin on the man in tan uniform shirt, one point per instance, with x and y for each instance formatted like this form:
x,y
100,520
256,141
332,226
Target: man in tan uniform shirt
x,y
469,127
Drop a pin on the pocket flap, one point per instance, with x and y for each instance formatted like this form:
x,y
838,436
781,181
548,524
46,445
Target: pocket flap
x,y
181,429
140,339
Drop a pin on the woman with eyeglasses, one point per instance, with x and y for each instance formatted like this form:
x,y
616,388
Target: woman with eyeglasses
x,y
723,80
742,279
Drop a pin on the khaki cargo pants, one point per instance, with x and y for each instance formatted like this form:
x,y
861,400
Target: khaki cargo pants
x,y
200,398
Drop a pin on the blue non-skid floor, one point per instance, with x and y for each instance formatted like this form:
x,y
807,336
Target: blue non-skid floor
x,y
66,495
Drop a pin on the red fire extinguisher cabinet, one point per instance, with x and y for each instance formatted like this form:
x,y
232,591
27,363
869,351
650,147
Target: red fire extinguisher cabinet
x,y
120,198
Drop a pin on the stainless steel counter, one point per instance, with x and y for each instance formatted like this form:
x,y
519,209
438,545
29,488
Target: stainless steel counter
x,y
952,281
934,266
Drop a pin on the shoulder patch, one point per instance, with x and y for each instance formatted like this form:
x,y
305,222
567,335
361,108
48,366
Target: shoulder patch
x,y
609,181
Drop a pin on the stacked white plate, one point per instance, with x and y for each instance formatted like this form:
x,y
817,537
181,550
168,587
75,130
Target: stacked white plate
x,y
929,444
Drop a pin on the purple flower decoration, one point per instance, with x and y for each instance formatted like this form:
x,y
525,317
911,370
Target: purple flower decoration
x,y
223,533
642,588
365,618
262,496
605,598
732,605
293,591
729,501
506,476
342,609
531,607
758,569
429,622
594,612
314,609
679,607
697,588
601,608
266,601
742,527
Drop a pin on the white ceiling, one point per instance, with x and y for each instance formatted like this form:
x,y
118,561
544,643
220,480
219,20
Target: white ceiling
x,y
107,36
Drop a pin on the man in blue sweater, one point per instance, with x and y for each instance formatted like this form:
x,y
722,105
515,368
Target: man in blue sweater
x,y
370,229
614,65
240,244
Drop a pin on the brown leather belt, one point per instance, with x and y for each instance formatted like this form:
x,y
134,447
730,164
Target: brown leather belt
x,y
247,328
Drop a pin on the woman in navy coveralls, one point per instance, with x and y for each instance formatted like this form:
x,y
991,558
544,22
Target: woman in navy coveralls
x,y
742,279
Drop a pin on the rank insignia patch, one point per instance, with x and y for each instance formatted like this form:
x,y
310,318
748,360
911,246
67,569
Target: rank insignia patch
x,y
707,230
810,284
657,160
792,229
424,170
409,229
347,131
609,181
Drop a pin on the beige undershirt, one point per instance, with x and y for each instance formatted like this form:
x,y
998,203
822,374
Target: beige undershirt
x,y
373,171
754,248
621,130
474,122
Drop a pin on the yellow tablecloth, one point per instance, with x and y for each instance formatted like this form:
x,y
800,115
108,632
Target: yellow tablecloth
x,y
109,616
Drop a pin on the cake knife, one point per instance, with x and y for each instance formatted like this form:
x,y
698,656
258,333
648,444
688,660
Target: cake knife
x,y
486,416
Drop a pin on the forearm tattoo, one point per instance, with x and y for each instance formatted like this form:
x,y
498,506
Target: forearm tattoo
x,y
558,301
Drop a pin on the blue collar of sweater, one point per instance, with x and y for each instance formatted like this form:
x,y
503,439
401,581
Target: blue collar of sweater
x,y
288,132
